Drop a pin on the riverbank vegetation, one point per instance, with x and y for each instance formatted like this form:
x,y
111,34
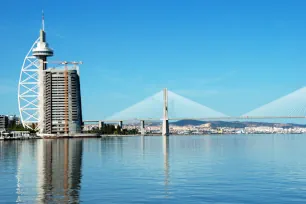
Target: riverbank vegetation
x,y
109,129
19,127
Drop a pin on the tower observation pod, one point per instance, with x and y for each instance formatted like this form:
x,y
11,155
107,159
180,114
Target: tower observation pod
x,y
31,83
42,51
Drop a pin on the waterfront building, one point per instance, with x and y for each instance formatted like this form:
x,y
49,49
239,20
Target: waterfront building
x,y
3,122
13,120
63,112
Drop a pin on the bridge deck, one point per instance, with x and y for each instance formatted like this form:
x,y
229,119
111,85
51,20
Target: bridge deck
x,y
204,118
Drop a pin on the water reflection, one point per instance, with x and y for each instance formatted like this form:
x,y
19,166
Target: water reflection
x,y
143,144
182,169
166,163
55,167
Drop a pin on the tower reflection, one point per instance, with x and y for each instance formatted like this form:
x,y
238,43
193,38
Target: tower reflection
x,y
143,145
59,170
166,163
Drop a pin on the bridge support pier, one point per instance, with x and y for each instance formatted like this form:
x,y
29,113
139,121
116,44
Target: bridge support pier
x,y
165,127
101,124
142,127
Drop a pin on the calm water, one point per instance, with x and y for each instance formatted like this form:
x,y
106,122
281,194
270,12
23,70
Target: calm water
x,y
182,169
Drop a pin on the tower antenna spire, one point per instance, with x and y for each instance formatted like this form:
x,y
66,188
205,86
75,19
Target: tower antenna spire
x,y
43,20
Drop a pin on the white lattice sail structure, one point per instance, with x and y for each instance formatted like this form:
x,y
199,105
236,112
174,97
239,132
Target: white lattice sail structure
x,y
31,83
28,90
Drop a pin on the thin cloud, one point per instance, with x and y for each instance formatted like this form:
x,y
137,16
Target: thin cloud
x,y
201,81
59,35
222,77
119,96
7,86
197,92
5,89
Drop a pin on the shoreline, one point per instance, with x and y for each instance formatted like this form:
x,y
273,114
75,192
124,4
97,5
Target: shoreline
x,y
84,136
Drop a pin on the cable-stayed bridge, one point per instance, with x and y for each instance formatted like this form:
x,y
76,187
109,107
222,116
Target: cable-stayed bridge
x,y
167,105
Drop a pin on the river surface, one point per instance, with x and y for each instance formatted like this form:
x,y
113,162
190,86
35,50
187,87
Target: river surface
x,y
180,169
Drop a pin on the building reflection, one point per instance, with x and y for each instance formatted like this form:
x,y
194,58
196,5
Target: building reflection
x,y
143,145
25,160
59,170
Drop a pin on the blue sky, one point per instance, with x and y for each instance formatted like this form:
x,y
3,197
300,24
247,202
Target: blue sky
x,y
232,56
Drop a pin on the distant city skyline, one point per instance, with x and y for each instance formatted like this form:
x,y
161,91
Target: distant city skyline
x,y
230,56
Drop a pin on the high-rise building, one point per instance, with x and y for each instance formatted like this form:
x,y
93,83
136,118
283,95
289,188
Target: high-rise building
x,y
63,112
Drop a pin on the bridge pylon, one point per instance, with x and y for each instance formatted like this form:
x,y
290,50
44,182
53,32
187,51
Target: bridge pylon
x,y
101,124
142,128
165,127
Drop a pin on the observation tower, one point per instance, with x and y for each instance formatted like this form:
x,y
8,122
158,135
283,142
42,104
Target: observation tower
x,y
41,52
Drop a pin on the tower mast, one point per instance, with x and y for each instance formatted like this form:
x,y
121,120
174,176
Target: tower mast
x,y
43,21
41,52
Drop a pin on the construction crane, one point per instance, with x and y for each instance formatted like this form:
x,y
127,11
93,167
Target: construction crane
x,y
63,62
66,91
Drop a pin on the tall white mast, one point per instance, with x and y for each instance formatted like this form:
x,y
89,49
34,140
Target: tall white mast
x,y
43,20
